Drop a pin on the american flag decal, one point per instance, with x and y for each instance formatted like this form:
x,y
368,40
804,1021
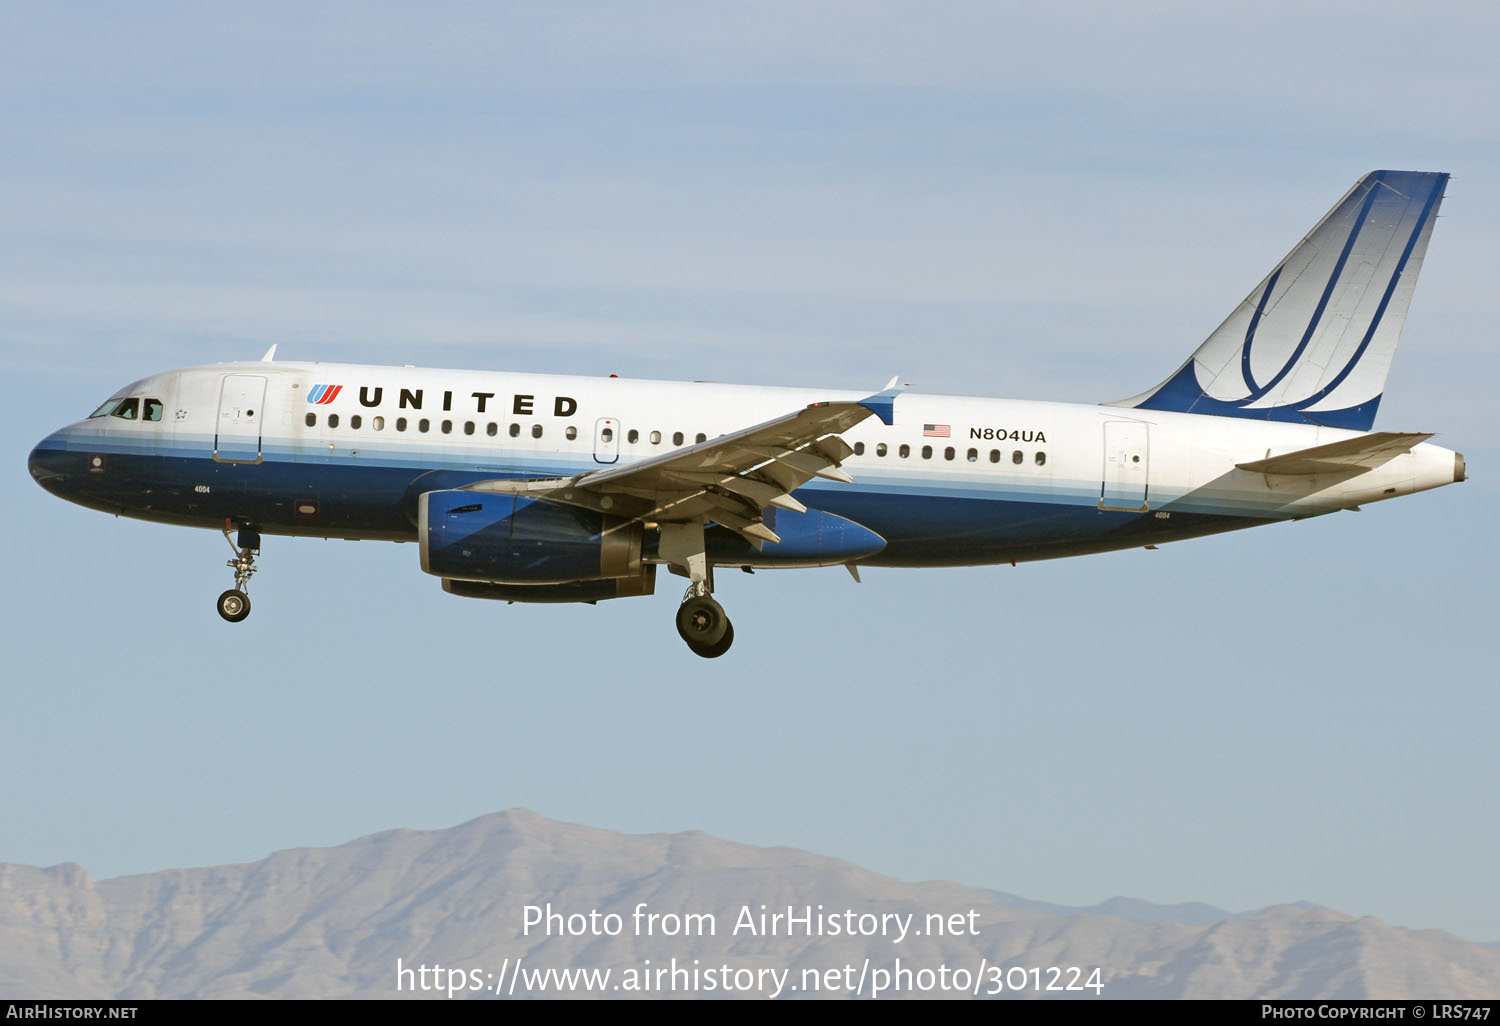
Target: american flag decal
x,y
937,431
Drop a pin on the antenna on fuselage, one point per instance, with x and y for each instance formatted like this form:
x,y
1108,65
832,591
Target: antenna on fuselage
x,y
270,354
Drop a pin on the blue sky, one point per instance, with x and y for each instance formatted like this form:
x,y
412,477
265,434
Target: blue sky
x,y
1047,203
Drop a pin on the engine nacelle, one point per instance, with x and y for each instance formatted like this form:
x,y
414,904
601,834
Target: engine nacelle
x,y
576,591
509,539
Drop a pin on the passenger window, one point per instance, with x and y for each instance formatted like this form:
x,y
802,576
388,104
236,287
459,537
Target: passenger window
x,y
536,431
311,420
400,423
492,429
948,453
973,455
468,427
677,438
927,452
571,433
1018,457
355,422
905,451
656,438
127,410
1041,458
515,430
859,448
153,410
447,427
333,420
994,455
422,425
632,436
378,423
607,435
880,449
701,437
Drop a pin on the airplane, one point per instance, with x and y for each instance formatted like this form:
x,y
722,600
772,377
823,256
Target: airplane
x,y
569,489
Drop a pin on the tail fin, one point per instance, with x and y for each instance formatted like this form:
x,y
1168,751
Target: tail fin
x,y
1313,343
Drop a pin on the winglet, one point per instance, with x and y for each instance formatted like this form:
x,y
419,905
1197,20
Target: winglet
x,y
270,354
883,403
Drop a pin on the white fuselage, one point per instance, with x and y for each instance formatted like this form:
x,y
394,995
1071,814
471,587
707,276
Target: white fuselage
x,y
954,480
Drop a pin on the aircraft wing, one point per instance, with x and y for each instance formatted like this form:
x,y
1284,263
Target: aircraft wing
x,y
727,480
1352,455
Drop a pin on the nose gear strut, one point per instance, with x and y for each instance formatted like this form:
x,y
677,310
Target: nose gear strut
x,y
234,605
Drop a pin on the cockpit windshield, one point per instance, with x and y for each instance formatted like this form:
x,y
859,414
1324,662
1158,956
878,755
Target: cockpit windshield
x,y
130,409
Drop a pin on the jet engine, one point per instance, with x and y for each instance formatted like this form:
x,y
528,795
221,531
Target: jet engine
x,y
512,540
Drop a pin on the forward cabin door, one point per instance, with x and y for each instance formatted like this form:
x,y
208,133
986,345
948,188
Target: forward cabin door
x,y
242,400
1126,466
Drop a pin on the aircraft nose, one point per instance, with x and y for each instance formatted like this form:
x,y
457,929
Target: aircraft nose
x,y
48,464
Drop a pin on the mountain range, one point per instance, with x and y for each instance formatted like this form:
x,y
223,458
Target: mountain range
x,y
474,899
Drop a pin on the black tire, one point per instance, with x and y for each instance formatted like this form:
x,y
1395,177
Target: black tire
x,y
718,648
234,605
701,622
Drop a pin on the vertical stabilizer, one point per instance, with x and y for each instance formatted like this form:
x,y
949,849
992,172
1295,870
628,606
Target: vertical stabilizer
x,y
1314,342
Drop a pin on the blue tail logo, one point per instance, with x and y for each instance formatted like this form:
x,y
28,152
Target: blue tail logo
x,y
1314,342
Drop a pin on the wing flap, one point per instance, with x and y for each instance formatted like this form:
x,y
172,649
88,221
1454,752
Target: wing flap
x,y
761,493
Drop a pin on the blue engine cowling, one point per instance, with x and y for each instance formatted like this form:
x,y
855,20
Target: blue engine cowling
x,y
508,539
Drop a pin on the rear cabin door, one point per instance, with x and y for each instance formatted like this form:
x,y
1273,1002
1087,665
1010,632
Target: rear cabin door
x,y
1126,466
242,399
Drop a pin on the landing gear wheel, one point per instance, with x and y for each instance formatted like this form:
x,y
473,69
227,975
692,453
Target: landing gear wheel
x,y
702,623
718,648
234,605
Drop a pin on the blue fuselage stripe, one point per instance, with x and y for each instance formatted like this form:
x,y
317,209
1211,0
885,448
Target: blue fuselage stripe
x,y
924,519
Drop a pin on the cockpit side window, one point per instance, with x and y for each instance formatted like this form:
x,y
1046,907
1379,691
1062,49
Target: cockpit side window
x,y
106,409
129,409
152,410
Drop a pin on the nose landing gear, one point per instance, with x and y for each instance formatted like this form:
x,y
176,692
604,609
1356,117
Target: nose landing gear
x,y
234,605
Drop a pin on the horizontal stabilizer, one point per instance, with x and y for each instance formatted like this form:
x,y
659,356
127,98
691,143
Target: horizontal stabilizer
x,y
1351,455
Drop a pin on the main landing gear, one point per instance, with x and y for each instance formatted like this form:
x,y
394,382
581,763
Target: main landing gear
x,y
703,624
701,621
234,605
